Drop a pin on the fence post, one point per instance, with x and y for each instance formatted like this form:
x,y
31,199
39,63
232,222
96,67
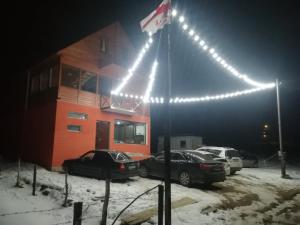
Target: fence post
x,y
34,180
160,212
66,189
106,199
18,184
77,213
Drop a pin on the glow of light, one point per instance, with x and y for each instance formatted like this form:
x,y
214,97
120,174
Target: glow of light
x,y
181,19
212,51
151,81
191,33
133,68
174,12
224,64
218,97
196,38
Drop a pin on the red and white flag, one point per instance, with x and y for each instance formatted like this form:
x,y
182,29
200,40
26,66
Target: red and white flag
x,y
158,18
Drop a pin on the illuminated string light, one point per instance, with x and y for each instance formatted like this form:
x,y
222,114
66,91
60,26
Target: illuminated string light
x,y
216,97
160,100
134,66
174,12
181,19
221,61
151,81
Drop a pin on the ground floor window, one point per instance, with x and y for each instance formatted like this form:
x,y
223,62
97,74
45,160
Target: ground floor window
x,y
130,132
74,128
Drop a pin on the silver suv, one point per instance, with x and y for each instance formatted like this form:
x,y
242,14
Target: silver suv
x,y
230,154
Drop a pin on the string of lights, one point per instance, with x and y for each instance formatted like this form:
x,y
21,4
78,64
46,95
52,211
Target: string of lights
x,y
195,36
151,81
135,65
160,100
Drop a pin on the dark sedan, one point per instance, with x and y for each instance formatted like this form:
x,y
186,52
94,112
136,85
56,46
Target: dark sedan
x,y
97,162
187,167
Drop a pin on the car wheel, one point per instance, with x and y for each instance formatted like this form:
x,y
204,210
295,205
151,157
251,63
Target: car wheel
x,y
143,171
232,172
185,179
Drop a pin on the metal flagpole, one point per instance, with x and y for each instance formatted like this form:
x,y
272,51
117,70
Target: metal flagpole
x,y
167,136
280,153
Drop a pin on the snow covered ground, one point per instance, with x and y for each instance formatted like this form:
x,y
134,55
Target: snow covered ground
x,y
253,196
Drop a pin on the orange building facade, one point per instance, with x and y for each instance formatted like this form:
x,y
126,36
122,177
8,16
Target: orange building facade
x,y
70,110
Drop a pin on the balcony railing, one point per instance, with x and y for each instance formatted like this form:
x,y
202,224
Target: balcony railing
x,y
128,106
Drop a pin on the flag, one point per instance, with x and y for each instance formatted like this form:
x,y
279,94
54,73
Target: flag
x,y
158,18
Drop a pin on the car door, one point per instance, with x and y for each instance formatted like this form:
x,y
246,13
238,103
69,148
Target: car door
x,y
158,165
178,164
83,166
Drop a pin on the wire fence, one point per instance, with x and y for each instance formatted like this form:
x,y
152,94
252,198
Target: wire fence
x,y
84,215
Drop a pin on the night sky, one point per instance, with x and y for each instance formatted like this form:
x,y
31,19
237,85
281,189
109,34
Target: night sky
x,y
260,38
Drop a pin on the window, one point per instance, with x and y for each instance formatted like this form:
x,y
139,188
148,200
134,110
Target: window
x,y
35,84
160,156
88,82
183,144
77,115
44,80
54,76
119,156
130,132
176,156
232,153
88,156
104,45
105,86
70,76
74,128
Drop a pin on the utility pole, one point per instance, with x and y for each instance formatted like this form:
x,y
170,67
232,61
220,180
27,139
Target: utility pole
x,y
167,135
281,154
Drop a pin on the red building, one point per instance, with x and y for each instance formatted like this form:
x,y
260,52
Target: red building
x,y
70,109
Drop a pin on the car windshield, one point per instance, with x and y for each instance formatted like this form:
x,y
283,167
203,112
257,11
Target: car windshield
x,y
119,156
232,153
199,156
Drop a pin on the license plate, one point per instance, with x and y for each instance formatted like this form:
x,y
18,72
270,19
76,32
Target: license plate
x,y
131,167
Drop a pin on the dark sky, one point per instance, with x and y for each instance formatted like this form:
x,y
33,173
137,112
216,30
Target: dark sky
x,y
260,38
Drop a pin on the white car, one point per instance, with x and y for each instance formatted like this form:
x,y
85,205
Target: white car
x,y
218,158
230,154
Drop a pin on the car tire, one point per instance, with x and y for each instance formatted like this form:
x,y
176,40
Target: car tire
x,y
232,172
143,171
184,178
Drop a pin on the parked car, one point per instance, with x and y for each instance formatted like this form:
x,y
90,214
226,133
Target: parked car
x,y
230,154
249,160
217,158
187,167
96,162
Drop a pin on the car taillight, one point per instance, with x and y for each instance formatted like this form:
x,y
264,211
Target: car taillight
x,y
204,166
122,167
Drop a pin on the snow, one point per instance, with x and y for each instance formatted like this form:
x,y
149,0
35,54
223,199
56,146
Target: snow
x,y
253,196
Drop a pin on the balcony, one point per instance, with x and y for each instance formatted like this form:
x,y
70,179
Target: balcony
x,y
121,105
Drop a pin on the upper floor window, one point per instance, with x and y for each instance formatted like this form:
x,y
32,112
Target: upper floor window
x,y
77,115
70,76
35,84
88,82
105,86
104,45
44,79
